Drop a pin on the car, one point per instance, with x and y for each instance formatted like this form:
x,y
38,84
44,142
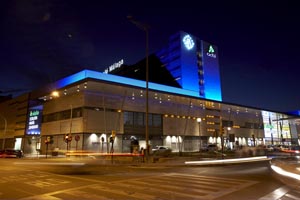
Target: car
x,y
269,148
280,147
210,147
293,150
162,151
11,153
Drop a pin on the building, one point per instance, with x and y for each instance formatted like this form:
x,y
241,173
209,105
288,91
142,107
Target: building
x,y
186,62
101,112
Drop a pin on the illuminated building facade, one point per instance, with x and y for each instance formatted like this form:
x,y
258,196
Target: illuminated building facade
x,y
186,62
90,106
85,110
194,64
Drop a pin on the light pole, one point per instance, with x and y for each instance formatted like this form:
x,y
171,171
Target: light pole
x,y
5,127
145,28
199,122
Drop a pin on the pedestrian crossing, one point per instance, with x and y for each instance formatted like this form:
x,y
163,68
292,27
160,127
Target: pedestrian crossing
x,y
171,186
283,193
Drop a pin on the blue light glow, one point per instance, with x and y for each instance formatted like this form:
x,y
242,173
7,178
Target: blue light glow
x,y
212,73
88,74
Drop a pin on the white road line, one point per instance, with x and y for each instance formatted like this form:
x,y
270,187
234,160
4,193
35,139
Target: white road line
x,y
227,161
292,196
174,186
276,194
49,163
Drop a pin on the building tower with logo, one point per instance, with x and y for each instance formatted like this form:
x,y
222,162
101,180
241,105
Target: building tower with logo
x,y
194,64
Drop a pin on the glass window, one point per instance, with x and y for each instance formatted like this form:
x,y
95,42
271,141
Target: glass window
x,y
77,112
138,119
157,120
128,118
149,120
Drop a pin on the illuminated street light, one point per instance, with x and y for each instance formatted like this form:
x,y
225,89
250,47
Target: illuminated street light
x,y
55,94
199,122
145,28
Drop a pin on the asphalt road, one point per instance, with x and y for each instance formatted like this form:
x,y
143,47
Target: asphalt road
x,y
80,179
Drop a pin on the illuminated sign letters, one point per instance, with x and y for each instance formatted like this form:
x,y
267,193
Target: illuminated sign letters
x,y
114,66
211,52
34,121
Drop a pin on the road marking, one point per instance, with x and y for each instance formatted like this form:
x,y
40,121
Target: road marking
x,y
47,182
228,161
23,177
292,196
164,186
276,194
51,194
51,163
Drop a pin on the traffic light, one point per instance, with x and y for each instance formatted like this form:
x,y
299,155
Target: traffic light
x,y
49,140
68,138
222,131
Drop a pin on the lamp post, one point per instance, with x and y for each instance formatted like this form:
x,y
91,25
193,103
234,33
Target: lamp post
x,y
199,122
5,127
145,28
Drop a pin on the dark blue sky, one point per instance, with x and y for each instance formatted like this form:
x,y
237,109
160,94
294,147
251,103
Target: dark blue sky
x,y
258,42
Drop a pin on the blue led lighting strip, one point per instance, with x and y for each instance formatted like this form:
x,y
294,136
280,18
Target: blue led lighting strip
x,y
85,74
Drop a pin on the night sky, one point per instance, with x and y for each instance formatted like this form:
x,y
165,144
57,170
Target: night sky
x,y
258,41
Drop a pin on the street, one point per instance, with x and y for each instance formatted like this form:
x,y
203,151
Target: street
x,y
41,179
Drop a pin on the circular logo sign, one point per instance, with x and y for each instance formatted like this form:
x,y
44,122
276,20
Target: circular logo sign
x,y
188,42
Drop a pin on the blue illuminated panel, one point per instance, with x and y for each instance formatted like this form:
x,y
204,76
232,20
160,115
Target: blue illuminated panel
x,y
210,61
193,64
189,69
34,120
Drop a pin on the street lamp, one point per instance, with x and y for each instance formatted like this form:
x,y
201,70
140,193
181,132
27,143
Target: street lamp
x,y
5,127
199,122
145,28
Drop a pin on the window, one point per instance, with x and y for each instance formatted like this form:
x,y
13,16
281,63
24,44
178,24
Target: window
x,y
138,119
66,114
128,118
157,120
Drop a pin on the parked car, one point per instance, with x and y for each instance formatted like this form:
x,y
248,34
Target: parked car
x,y
162,151
11,153
269,148
210,147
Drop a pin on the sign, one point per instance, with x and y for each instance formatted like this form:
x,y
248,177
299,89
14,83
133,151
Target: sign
x,y
188,42
114,66
211,52
77,137
34,120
